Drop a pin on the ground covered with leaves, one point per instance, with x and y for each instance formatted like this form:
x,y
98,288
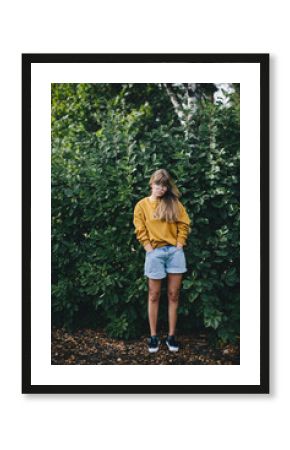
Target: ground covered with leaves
x,y
93,347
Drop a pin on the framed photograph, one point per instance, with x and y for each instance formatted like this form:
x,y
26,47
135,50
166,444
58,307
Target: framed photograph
x,y
145,223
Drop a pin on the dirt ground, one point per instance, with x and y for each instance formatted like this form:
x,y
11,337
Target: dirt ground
x,y
93,347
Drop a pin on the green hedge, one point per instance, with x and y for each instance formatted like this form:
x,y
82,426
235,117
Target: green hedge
x,y
104,151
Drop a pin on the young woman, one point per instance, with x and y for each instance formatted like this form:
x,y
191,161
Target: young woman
x,y
162,226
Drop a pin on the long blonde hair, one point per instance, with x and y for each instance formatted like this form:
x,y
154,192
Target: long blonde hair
x,y
168,208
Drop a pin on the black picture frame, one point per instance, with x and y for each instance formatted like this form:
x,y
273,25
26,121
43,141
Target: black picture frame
x,y
262,59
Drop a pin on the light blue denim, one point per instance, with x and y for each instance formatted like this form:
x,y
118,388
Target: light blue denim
x,y
163,260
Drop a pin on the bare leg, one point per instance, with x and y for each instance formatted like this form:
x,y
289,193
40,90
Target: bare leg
x,y
154,290
173,289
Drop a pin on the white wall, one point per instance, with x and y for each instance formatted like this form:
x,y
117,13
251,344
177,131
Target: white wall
x,y
88,421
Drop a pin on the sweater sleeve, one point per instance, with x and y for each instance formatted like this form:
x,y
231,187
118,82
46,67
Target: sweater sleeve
x,y
140,228
183,226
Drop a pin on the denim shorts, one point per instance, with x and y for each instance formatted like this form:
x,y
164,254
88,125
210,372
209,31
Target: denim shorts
x,y
163,260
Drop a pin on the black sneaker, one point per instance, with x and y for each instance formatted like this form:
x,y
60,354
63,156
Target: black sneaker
x,y
153,344
172,344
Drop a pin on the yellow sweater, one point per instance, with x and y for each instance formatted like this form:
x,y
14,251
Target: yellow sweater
x,y
156,232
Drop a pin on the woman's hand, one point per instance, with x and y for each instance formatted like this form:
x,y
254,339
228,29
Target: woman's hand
x,y
179,245
148,248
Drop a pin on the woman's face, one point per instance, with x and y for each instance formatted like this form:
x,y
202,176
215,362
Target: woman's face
x,y
158,190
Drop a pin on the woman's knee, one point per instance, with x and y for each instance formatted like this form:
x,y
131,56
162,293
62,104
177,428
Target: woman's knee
x,y
173,295
154,295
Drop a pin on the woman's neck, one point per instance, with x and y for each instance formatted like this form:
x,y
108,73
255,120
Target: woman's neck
x,y
152,198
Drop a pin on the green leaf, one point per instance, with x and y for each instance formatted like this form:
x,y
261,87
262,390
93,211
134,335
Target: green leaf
x,y
187,284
